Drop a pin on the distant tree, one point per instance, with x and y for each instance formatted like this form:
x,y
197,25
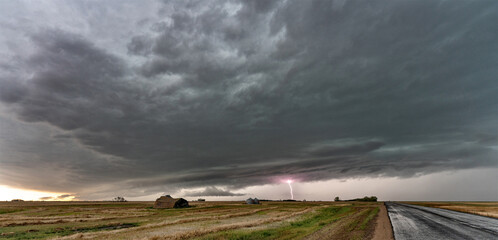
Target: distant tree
x,y
368,199
364,199
119,199
336,199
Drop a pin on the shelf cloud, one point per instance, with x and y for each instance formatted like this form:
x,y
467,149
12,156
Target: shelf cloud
x,y
167,95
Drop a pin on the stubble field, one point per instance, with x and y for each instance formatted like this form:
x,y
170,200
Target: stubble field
x,y
203,220
488,209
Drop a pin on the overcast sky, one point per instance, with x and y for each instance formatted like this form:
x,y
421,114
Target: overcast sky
x,y
229,98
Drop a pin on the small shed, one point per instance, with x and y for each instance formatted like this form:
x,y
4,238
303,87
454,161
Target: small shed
x,y
169,202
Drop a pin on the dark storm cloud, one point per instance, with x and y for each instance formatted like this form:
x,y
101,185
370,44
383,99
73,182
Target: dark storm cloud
x,y
356,148
236,94
64,196
139,45
57,198
211,192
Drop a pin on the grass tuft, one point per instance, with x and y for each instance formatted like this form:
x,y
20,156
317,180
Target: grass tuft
x,y
369,217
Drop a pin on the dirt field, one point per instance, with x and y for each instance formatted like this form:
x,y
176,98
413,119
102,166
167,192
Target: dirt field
x,y
204,220
488,209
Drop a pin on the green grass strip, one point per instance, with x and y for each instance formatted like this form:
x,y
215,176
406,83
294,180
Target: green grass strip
x,y
311,223
370,216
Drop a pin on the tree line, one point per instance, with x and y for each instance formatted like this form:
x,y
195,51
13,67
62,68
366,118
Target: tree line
x,y
364,199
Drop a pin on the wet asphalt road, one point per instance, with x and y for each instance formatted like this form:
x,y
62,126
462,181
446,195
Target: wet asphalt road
x,y
417,222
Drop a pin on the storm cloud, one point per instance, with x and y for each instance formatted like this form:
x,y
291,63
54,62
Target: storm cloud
x,y
56,198
212,191
186,94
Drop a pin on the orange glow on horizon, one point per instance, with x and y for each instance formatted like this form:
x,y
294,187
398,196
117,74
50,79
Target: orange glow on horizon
x,y
8,193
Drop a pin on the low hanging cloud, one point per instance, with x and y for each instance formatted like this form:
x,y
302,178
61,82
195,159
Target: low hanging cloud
x,y
57,198
187,94
353,148
212,192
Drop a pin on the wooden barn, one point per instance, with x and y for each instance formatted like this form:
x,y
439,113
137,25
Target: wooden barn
x,y
169,202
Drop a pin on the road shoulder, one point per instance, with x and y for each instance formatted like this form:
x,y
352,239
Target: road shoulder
x,y
383,228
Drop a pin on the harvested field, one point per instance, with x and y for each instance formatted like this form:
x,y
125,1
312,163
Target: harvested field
x,y
488,209
204,220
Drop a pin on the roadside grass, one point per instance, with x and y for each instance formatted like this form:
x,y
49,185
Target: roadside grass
x,y
358,226
371,215
357,221
309,223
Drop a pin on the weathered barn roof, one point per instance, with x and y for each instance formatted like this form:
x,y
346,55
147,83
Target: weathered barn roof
x,y
169,202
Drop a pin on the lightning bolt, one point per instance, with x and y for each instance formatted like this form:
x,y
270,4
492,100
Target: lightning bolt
x,y
290,186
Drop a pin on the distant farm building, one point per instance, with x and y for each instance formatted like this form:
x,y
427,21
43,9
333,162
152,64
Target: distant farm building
x,y
17,200
252,201
169,202
201,200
